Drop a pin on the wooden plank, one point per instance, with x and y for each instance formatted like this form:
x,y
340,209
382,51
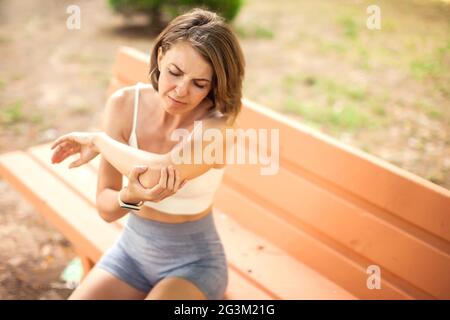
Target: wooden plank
x,y
70,214
313,248
329,163
239,288
258,258
131,65
378,240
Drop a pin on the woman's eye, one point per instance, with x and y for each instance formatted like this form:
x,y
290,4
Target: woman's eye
x,y
174,74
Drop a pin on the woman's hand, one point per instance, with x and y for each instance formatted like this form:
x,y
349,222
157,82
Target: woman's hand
x,y
72,143
168,184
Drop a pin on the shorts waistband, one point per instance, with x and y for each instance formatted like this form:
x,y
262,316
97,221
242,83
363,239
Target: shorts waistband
x,y
148,226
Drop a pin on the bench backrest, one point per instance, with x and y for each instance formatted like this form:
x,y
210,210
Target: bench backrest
x,y
333,207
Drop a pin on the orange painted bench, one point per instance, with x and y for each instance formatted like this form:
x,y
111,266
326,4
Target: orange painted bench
x,y
309,232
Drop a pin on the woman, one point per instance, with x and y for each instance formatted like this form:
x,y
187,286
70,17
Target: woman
x,y
170,248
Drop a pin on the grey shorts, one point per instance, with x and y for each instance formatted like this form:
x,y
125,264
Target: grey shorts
x,y
148,251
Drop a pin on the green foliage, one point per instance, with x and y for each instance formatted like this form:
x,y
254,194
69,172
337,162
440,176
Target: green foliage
x,y
348,117
12,113
131,6
349,26
226,8
255,31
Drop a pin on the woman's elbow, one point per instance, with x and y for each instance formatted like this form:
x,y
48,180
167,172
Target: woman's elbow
x,y
149,178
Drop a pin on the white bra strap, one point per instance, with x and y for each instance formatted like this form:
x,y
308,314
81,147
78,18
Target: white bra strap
x,y
136,106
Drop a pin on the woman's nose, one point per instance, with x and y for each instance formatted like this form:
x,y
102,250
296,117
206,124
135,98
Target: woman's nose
x,y
181,88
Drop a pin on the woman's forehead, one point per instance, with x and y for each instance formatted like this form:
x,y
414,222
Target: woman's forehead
x,y
186,58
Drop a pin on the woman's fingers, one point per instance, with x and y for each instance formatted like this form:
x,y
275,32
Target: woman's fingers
x,y
168,184
136,171
63,151
60,140
177,181
79,138
163,178
171,178
154,194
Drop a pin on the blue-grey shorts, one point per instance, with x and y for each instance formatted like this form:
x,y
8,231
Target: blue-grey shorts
x,y
148,251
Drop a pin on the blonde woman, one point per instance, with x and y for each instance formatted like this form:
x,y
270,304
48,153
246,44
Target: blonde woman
x,y
170,248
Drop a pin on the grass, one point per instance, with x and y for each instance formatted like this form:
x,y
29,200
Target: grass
x,y
430,110
431,65
103,77
349,26
5,39
84,58
36,118
81,110
334,90
255,31
336,106
348,117
13,113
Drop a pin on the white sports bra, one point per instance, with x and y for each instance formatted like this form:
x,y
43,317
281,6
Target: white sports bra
x,y
196,195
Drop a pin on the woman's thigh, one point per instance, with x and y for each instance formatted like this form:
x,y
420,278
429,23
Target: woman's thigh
x,y
174,288
99,284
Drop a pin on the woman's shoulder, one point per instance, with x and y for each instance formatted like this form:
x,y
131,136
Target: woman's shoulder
x,y
119,110
127,93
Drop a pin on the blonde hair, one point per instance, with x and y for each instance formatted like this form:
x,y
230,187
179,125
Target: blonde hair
x,y
208,33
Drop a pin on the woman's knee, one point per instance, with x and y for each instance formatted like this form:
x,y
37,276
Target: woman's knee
x,y
102,285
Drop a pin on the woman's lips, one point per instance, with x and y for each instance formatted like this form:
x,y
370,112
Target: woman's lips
x,y
176,101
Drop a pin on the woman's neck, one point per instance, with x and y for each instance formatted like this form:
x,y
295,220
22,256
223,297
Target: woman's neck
x,y
169,122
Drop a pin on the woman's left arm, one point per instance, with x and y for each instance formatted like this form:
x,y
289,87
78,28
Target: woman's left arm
x,y
187,158
183,157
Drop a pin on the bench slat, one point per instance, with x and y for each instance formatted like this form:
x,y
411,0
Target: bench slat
x,y
329,163
387,244
313,248
70,214
260,259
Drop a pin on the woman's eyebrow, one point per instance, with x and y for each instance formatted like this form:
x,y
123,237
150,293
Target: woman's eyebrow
x,y
202,79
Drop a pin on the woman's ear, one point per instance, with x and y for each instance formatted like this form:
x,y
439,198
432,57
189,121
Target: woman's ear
x,y
160,56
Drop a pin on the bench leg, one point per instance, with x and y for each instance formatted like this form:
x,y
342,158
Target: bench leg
x,y
86,263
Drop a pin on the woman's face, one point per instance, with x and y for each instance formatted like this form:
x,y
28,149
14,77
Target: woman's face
x,y
184,77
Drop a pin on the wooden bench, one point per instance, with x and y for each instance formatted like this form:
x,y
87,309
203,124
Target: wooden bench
x,y
309,232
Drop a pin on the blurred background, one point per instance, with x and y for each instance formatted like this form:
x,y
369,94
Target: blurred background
x,y
386,91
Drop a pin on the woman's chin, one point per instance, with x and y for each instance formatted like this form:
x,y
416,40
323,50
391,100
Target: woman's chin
x,y
174,110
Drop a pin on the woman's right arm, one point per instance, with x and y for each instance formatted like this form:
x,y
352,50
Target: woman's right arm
x,y
109,181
